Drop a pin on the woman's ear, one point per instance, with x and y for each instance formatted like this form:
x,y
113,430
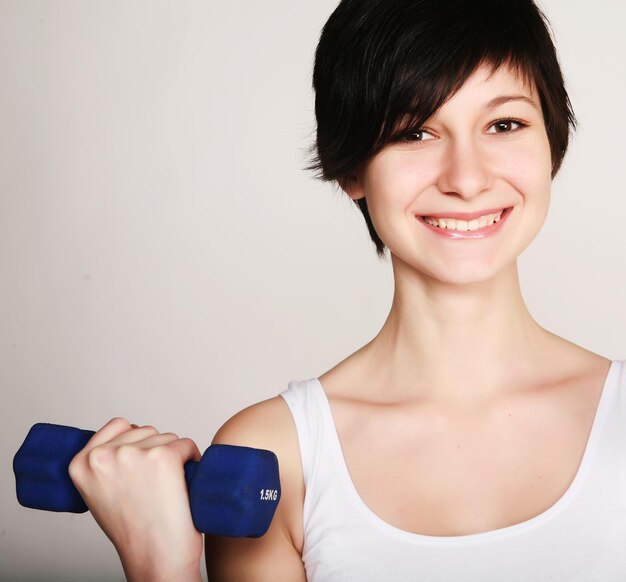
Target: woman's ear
x,y
351,185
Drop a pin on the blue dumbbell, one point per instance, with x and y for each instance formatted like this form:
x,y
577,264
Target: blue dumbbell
x,y
233,491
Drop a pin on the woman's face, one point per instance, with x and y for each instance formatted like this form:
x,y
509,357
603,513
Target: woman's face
x,y
484,150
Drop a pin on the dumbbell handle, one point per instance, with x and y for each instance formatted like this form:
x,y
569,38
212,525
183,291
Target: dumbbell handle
x,y
233,490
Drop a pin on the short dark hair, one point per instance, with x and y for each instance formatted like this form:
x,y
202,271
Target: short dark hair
x,y
379,60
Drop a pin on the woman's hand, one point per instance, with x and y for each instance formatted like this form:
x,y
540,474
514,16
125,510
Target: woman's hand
x,y
133,481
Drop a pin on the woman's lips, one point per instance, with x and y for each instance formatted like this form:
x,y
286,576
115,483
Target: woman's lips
x,y
467,215
460,234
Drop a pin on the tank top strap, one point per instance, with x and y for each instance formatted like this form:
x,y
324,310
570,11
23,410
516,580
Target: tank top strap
x,y
621,386
316,431
620,403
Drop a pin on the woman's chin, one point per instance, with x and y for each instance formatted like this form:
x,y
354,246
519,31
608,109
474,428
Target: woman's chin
x,y
467,273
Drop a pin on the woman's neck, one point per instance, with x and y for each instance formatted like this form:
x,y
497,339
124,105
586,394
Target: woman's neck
x,y
455,343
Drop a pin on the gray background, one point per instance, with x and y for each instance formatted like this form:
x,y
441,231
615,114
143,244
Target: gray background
x,y
164,257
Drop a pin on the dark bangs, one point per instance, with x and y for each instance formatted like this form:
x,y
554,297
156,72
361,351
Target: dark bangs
x,y
381,62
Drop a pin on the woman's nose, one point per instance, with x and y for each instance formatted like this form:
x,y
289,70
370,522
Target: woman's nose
x,y
465,171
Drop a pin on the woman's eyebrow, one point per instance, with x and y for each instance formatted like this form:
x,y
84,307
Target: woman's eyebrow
x,y
506,98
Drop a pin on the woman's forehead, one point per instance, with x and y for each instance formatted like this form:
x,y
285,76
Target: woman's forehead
x,y
486,81
488,88
485,89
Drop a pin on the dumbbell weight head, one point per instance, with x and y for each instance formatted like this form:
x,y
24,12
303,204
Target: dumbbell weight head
x,y
235,491
40,466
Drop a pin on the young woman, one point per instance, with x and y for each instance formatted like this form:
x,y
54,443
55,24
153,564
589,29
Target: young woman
x,y
464,442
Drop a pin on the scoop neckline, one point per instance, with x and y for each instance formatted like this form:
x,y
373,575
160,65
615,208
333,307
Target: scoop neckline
x,y
515,529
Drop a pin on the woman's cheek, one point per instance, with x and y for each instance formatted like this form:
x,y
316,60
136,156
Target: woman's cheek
x,y
389,182
529,170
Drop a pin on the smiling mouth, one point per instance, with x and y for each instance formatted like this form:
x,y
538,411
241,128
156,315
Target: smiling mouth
x,y
466,225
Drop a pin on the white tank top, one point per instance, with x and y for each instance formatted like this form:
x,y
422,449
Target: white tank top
x,y
581,538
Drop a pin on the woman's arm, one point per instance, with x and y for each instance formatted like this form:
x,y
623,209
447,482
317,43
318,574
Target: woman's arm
x,y
277,554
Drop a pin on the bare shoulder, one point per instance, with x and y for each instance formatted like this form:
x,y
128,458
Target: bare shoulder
x,y
266,425
268,422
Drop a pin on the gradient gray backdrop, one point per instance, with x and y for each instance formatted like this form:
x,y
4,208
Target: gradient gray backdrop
x,y
164,257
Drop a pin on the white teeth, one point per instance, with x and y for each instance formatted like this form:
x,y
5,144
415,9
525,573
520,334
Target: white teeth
x,y
464,225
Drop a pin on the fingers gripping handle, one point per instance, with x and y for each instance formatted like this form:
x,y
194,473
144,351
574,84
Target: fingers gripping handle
x,y
233,491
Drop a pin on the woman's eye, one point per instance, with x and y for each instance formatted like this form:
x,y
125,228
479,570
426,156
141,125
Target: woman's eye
x,y
506,126
417,136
